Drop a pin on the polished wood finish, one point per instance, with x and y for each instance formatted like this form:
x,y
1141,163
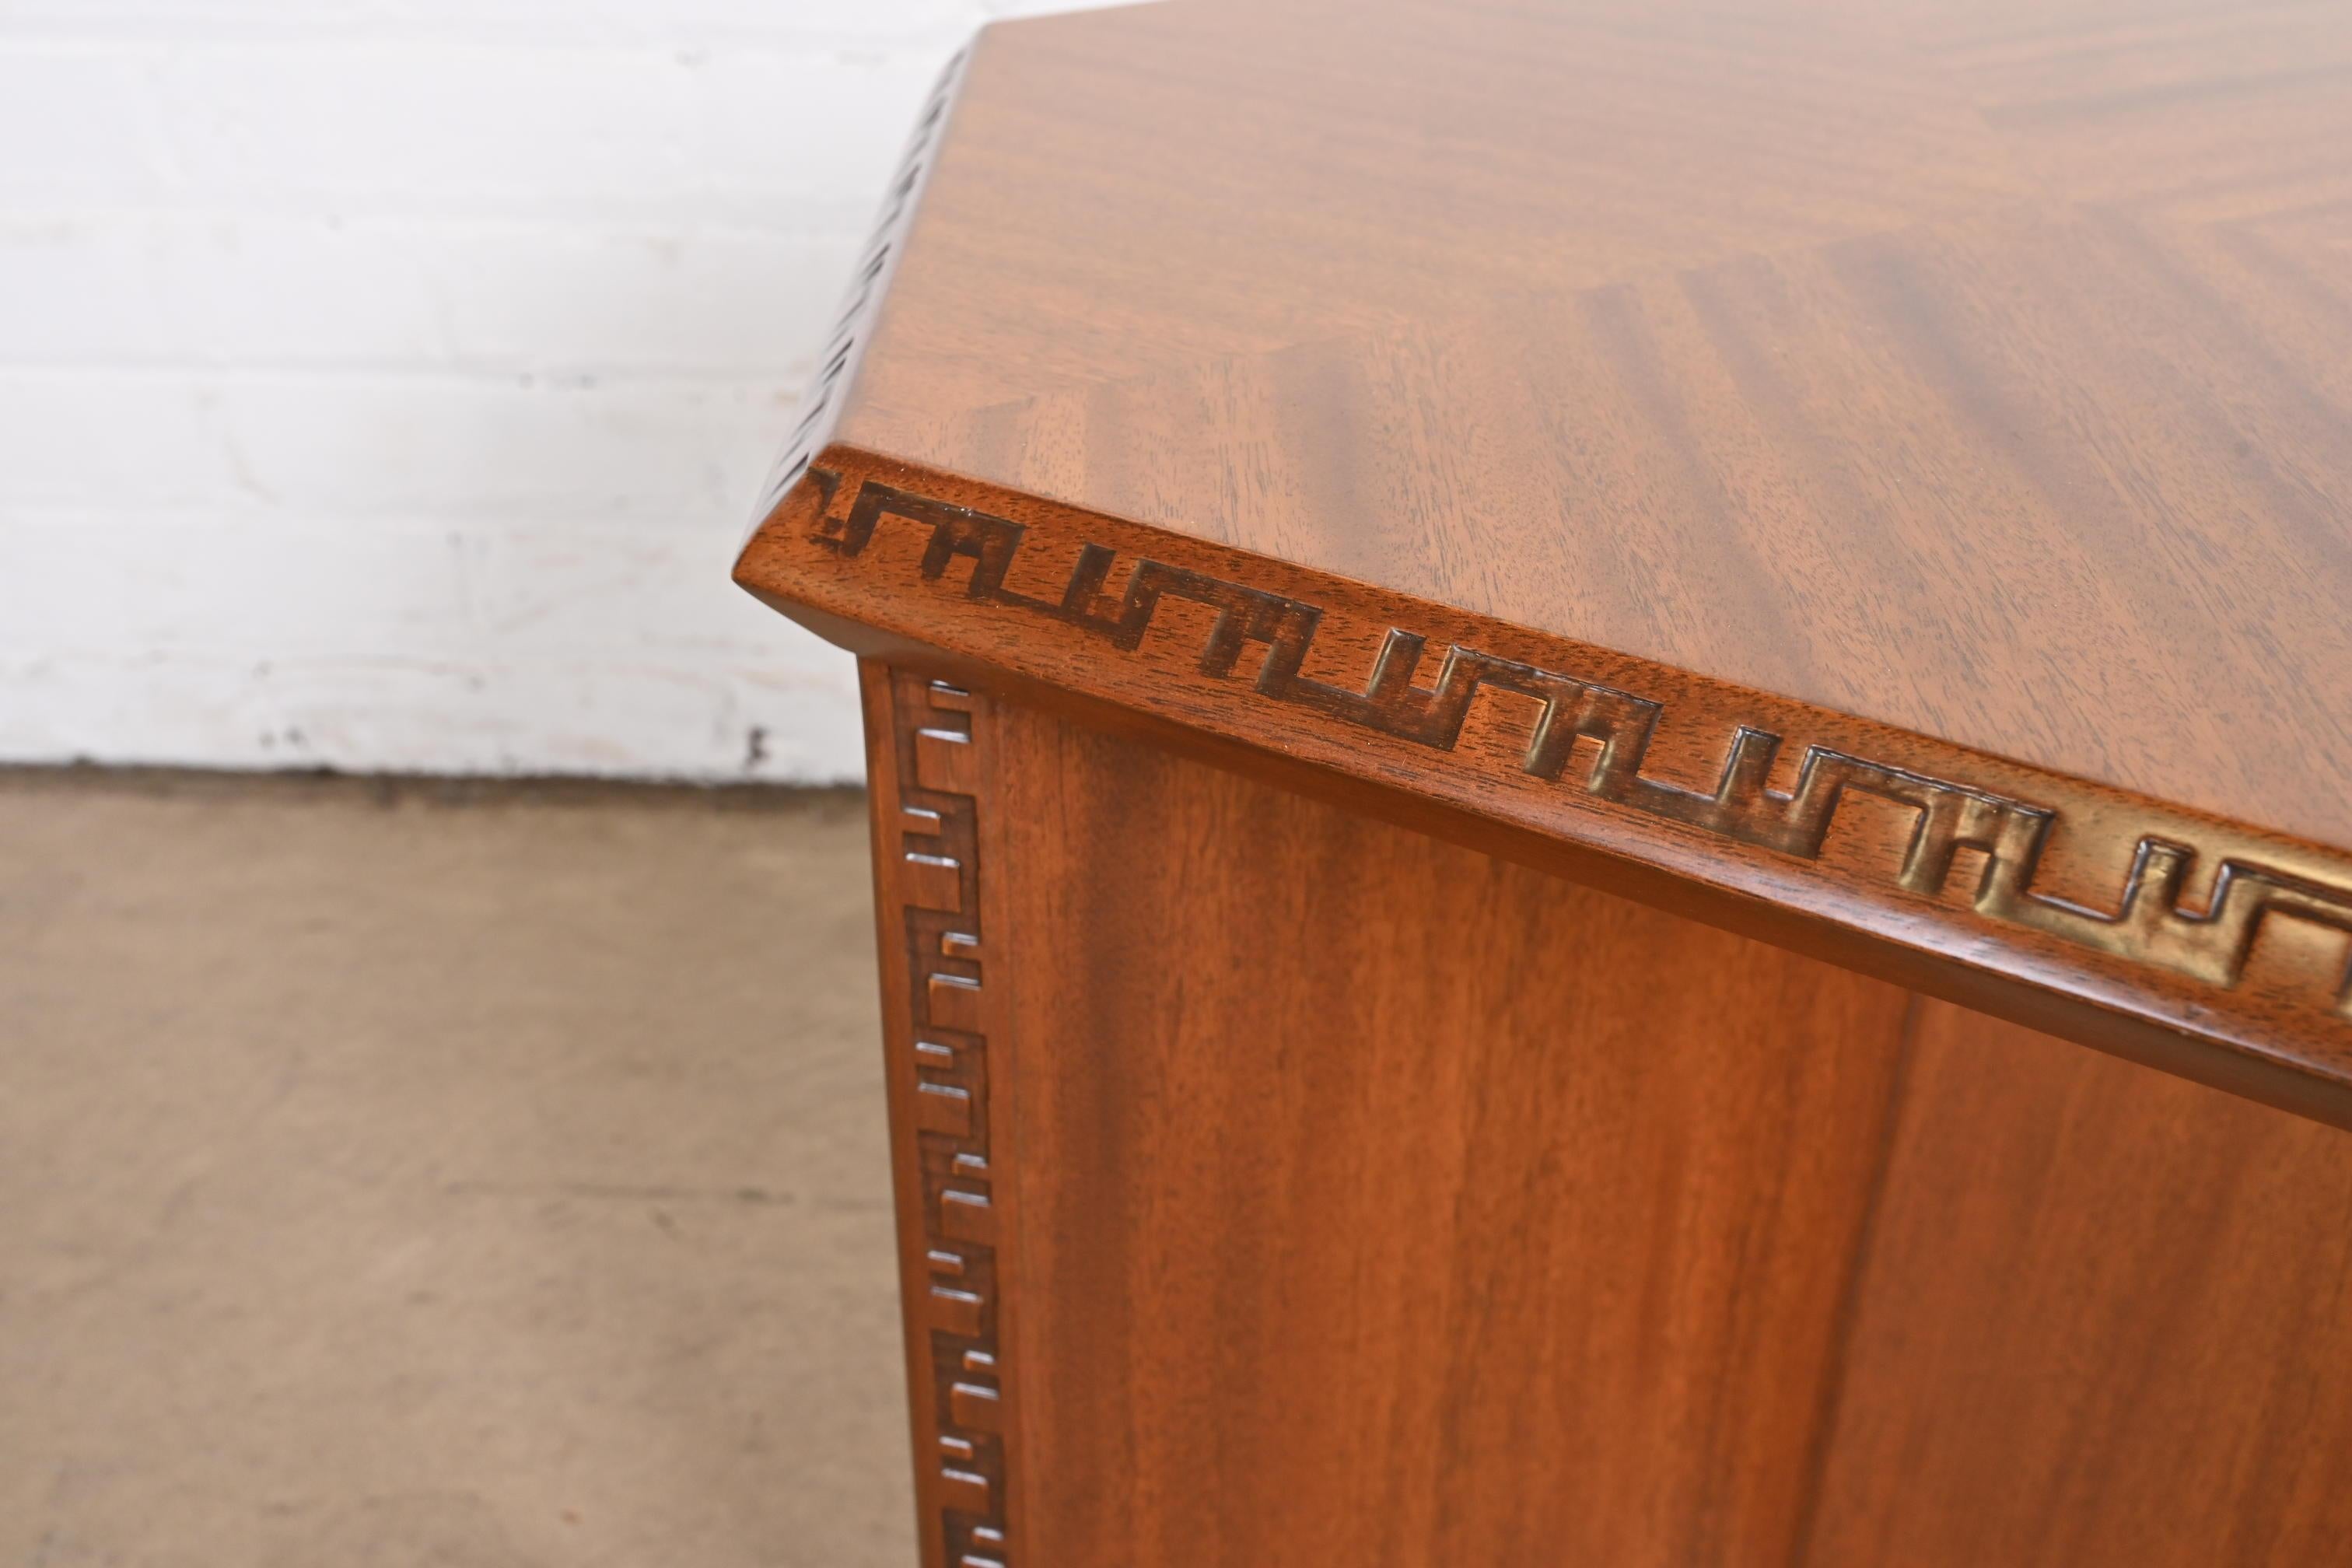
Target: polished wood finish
x,y
947,1053
2186,940
1321,1271
1532,671
1828,372
2104,1317
1314,1190
1980,368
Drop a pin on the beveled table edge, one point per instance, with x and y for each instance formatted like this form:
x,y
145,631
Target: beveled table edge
x,y
2121,922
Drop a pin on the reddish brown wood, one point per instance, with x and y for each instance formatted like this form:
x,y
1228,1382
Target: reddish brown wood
x,y
1976,367
1828,371
1451,593
2104,1319
946,1039
1379,1202
1352,1196
2183,940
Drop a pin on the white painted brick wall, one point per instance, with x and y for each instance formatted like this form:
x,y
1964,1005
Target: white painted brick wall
x,y
386,383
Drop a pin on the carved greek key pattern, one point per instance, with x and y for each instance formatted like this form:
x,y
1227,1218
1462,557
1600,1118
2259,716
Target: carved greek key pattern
x,y
819,401
937,884
1593,739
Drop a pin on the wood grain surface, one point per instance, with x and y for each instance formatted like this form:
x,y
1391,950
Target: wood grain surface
x,y
947,1059
2175,937
1984,370
1383,1203
1354,1196
1872,477
1812,405
2104,1321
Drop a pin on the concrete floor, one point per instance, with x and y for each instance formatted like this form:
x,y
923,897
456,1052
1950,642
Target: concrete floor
x,y
438,1177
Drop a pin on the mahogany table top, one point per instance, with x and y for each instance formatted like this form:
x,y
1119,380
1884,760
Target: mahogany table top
x,y
1958,391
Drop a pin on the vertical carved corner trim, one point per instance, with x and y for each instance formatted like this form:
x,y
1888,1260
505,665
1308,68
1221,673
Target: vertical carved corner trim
x,y
957,1298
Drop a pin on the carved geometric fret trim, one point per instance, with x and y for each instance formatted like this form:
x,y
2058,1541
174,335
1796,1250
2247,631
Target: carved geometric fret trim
x,y
937,884
1594,739
820,399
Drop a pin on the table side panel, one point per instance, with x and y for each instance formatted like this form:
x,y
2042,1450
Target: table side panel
x,y
1384,1203
1279,1184
2105,1319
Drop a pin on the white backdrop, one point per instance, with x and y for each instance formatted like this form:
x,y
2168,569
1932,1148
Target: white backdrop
x,y
386,383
